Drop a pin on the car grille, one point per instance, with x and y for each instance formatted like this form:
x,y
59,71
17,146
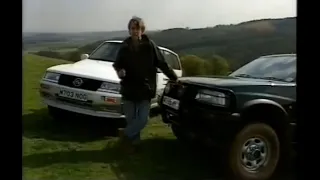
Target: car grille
x,y
87,84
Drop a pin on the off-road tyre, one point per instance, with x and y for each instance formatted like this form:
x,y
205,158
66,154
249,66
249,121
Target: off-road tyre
x,y
253,132
181,134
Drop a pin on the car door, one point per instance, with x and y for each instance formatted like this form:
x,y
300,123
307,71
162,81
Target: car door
x,y
174,62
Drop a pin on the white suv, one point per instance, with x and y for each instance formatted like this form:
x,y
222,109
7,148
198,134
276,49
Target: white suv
x,y
91,85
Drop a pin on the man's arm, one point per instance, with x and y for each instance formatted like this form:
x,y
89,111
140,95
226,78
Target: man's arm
x,y
118,65
162,64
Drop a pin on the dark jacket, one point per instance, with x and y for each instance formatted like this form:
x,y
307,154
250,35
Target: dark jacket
x,y
140,81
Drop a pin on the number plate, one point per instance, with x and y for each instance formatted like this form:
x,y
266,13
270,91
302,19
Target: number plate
x,y
173,103
73,95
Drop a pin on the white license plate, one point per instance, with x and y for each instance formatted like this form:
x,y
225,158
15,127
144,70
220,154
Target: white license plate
x,y
73,95
173,103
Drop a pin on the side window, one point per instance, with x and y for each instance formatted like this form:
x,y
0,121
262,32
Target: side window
x,y
171,59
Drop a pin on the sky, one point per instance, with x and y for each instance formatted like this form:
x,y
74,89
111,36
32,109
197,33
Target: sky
x,y
110,15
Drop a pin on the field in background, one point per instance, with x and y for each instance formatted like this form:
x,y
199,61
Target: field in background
x,y
84,148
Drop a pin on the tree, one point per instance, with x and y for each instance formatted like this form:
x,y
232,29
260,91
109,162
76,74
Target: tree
x,y
193,65
219,65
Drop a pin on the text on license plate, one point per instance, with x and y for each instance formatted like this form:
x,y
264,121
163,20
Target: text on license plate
x,y
73,95
173,103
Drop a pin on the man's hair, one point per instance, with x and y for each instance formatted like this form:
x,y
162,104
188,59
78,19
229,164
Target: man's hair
x,y
138,22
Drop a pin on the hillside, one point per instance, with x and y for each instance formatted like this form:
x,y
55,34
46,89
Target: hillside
x,y
238,43
34,41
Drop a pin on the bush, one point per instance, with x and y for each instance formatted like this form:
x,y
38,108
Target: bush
x,y
219,65
193,65
73,56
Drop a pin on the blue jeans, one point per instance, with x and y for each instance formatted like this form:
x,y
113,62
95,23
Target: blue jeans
x,y
137,115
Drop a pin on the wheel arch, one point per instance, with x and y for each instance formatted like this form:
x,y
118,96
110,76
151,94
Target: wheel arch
x,y
262,102
268,112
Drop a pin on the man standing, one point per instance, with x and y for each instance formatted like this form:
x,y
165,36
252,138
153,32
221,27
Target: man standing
x,y
136,66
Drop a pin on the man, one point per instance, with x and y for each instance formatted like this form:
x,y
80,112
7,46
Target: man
x,y
136,66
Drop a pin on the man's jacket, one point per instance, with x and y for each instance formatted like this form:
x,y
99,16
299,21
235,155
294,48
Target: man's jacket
x,y
140,64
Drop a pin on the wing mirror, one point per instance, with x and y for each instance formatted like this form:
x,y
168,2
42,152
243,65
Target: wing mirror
x,y
84,56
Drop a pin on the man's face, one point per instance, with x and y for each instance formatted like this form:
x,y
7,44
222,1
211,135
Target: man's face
x,y
135,31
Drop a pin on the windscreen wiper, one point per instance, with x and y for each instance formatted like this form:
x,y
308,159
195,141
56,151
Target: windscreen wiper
x,y
244,75
101,59
273,78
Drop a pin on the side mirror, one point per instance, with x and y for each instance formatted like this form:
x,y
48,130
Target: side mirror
x,y
84,56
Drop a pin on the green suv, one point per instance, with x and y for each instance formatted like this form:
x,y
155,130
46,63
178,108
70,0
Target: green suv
x,y
249,115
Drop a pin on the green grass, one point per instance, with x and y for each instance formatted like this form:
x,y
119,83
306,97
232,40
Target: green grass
x,y
84,148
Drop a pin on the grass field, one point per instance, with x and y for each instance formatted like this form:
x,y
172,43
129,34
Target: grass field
x,y
84,148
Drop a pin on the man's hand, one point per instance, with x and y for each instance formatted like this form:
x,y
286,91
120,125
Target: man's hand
x,y
174,81
121,73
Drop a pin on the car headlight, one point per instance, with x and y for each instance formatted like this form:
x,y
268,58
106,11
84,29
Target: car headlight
x,y
212,97
110,87
52,77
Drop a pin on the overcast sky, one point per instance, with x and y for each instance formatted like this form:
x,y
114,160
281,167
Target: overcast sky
x,y
109,15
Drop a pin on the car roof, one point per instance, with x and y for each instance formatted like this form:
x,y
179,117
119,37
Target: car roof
x,y
160,47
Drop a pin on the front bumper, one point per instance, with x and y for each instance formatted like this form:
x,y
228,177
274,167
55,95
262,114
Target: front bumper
x,y
98,104
220,127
